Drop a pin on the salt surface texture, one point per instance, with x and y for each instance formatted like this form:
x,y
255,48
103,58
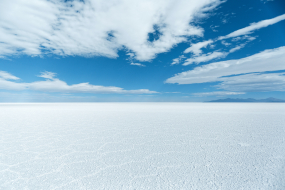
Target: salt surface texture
x,y
142,146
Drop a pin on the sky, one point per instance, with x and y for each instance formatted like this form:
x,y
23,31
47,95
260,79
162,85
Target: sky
x,y
142,50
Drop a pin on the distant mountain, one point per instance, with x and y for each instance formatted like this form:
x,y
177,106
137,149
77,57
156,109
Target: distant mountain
x,y
248,100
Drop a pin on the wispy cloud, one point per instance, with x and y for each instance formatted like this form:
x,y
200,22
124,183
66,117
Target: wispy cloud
x,y
217,93
241,34
266,0
196,48
52,84
98,28
47,75
138,64
7,76
254,26
237,48
245,37
177,60
268,60
225,43
212,55
205,57
254,82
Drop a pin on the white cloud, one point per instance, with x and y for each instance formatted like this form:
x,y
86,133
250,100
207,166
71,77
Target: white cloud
x,y
238,35
266,0
7,76
217,93
205,57
254,82
212,55
214,28
172,92
55,85
47,75
268,60
251,38
131,56
138,64
224,21
196,48
11,85
6,84
177,60
97,27
245,37
254,26
237,48
225,43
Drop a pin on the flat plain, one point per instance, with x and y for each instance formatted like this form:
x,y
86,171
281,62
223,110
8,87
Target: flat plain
x,y
203,146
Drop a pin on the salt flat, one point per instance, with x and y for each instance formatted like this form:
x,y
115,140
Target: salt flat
x,y
142,146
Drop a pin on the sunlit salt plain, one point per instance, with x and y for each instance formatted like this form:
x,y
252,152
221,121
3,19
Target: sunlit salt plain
x,y
142,146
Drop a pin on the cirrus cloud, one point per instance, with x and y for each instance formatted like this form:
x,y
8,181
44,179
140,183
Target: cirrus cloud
x,y
254,26
241,34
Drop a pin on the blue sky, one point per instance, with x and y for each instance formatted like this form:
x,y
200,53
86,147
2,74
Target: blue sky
x,y
175,50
